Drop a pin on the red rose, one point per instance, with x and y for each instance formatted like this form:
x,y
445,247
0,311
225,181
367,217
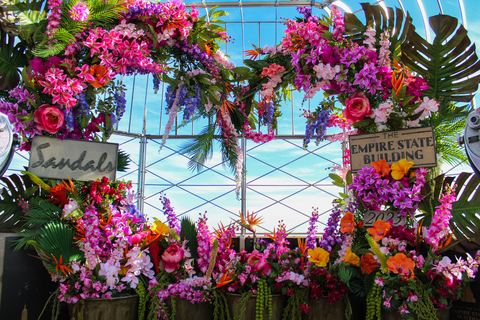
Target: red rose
x,y
48,118
357,107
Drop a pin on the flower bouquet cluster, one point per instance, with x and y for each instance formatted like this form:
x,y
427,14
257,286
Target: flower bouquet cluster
x,y
401,262
92,240
378,93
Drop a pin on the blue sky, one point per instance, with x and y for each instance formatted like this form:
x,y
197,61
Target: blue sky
x,y
270,195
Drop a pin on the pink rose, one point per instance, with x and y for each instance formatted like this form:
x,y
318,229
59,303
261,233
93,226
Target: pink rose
x,y
357,107
48,118
171,257
259,263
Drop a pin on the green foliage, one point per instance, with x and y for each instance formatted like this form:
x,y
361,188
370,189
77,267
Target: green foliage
x,y
220,306
448,123
200,150
12,58
447,62
292,309
395,22
41,212
241,306
189,232
57,240
123,161
11,212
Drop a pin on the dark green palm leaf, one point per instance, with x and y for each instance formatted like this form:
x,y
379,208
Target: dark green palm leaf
x,y
396,22
11,212
447,63
56,239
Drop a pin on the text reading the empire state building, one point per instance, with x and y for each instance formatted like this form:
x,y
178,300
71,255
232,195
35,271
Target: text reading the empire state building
x,y
416,145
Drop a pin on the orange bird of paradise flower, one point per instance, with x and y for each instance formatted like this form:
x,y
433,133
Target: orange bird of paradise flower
x,y
254,53
397,77
250,220
272,237
58,263
302,245
225,279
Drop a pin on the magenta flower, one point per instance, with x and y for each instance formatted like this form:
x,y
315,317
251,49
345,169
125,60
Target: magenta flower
x,y
79,12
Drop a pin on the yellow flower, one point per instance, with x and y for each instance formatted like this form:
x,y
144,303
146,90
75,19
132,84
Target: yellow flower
x,y
400,168
159,227
351,258
319,256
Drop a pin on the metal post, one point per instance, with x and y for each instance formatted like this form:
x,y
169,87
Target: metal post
x,y
244,191
142,161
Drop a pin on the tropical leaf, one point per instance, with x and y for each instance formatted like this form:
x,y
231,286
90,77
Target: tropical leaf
x,y
399,25
201,149
123,160
16,188
465,222
56,243
189,232
12,58
447,63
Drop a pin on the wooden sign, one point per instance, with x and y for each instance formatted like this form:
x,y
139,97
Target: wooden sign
x,y
80,160
416,145
373,215
464,311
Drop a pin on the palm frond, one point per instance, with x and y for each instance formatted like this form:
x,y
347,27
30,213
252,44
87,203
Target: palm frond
x,y
201,149
56,242
16,188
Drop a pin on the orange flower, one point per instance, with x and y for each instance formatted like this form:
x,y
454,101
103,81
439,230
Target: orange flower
x,y
369,264
381,167
401,264
351,258
361,224
250,220
379,230
98,72
348,223
302,245
400,169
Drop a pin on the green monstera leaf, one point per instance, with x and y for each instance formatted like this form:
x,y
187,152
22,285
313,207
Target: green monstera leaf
x,y
399,25
12,58
465,222
447,63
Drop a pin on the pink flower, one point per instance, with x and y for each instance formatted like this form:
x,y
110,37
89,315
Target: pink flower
x,y
357,107
259,263
171,257
79,12
48,118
